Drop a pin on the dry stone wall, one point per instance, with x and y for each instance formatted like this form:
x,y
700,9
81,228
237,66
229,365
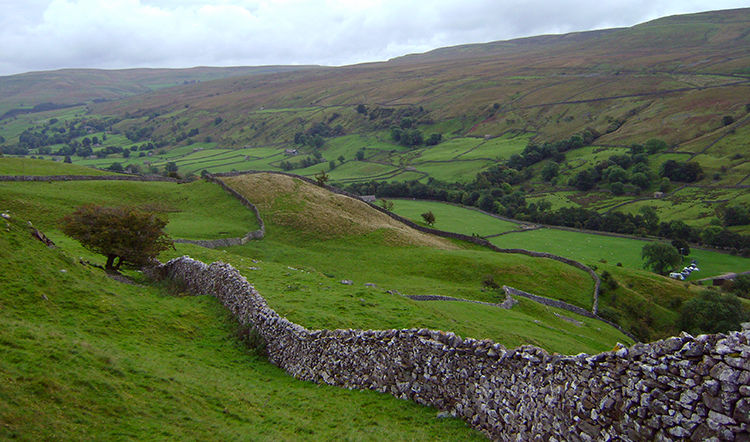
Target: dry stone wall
x,y
88,178
680,388
227,242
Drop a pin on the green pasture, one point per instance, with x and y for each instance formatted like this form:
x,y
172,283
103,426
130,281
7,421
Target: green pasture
x,y
86,355
558,200
452,171
197,210
499,147
449,150
316,299
592,249
352,171
24,166
11,128
452,218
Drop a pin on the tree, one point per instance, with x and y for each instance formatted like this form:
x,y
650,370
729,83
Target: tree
x,y
125,235
387,204
682,246
741,286
550,171
655,145
434,139
711,312
322,178
116,167
660,257
170,167
736,215
429,218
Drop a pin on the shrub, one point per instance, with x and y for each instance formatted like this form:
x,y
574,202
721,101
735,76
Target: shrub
x,y
711,312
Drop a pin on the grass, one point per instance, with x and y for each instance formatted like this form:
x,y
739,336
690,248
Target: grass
x,y
593,249
304,230
83,354
453,171
23,166
197,210
452,218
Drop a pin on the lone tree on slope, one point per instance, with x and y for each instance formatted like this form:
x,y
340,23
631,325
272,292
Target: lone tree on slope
x,y
660,257
429,218
125,235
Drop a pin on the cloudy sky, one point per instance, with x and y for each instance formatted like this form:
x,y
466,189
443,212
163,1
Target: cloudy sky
x,y
52,34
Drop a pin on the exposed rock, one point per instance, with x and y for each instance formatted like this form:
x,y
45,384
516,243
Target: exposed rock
x,y
347,281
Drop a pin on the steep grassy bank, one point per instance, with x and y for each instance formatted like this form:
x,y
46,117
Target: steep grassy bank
x,y
84,356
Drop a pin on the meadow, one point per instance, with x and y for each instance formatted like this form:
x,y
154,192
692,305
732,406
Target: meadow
x,y
197,210
593,248
84,354
589,248
451,218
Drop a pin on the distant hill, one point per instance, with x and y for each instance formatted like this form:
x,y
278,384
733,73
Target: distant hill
x,y
72,86
626,84
683,81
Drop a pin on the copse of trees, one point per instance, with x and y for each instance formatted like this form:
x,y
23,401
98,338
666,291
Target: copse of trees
x,y
686,172
711,312
534,153
316,134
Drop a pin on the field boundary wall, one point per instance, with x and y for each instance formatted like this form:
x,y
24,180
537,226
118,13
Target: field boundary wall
x,y
683,387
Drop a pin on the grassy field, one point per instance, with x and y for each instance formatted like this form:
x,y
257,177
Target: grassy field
x,y
23,166
83,354
644,303
452,218
593,249
197,210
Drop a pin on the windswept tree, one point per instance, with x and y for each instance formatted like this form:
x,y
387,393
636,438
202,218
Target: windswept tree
x,y
429,218
125,235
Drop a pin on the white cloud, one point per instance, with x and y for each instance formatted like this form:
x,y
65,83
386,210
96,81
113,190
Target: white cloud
x,y
50,34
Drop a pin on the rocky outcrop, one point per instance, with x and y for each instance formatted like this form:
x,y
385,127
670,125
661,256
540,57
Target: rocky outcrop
x,y
680,388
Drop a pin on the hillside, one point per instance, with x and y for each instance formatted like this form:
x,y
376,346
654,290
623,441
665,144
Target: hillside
x,y
88,354
83,354
548,107
36,91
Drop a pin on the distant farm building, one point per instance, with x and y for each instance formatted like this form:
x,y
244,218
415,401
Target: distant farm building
x,y
369,198
658,194
722,279
290,151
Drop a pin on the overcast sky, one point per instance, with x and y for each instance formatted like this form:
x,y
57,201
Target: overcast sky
x,y
53,34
